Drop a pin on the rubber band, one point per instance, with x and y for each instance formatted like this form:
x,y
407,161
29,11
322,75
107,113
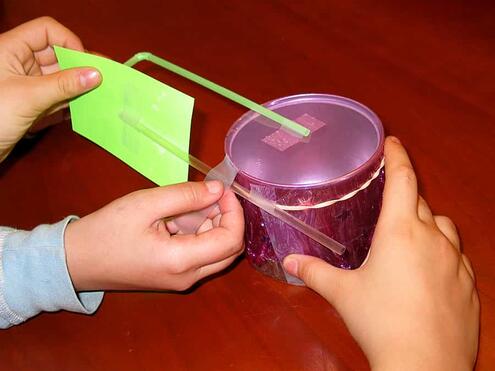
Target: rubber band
x,y
331,202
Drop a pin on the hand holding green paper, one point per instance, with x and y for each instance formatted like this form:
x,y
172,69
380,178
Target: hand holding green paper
x,y
29,94
96,116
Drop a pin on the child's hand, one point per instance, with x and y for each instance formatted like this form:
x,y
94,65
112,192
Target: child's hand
x,y
126,244
31,84
413,305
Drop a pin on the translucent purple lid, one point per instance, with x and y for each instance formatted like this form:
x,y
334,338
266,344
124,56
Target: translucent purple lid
x,y
345,137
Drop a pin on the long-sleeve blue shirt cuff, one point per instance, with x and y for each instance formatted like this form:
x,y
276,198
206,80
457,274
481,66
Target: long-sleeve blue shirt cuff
x,y
34,275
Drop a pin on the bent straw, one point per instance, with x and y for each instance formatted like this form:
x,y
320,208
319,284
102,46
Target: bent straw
x,y
229,94
270,207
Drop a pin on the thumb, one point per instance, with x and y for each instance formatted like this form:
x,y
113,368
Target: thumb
x,y
327,280
49,90
180,198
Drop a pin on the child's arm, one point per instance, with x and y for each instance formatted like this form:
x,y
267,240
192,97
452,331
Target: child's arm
x,y
34,276
125,245
413,305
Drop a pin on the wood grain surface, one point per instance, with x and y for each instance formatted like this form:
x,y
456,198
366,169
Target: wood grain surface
x,y
426,68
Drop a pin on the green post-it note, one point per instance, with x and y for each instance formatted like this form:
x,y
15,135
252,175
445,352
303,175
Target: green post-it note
x,y
96,116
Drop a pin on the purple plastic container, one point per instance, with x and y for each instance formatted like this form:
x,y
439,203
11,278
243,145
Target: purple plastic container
x,y
344,151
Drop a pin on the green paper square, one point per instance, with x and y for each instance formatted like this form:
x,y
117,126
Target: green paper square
x,y
95,115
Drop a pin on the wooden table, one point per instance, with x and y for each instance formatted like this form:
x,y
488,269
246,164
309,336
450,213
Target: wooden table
x,y
426,69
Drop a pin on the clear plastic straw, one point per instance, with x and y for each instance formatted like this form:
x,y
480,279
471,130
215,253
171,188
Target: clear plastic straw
x,y
270,207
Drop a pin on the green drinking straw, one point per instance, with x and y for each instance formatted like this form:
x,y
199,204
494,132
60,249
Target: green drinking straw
x,y
229,94
130,118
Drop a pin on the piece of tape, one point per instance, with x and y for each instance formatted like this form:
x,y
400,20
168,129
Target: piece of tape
x,y
281,242
190,222
282,140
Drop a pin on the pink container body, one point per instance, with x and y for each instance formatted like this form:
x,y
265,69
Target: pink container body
x,y
345,151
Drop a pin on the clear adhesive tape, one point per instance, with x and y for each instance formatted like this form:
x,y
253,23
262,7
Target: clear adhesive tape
x,y
190,222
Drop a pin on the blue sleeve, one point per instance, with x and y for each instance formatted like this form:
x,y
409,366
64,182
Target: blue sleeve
x,y
34,275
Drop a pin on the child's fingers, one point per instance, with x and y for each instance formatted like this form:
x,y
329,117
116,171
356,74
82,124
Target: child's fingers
x,y
468,266
218,243
43,32
330,282
214,212
400,196
177,199
51,68
48,62
205,226
424,212
59,107
45,57
232,216
48,90
216,220
447,227
210,247
172,227
210,269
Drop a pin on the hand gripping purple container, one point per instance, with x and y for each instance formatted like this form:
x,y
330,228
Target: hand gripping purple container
x,y
332,180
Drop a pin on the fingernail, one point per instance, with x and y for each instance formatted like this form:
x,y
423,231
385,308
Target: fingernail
x,y
215,211
89,78
394,139
213,186
290,265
